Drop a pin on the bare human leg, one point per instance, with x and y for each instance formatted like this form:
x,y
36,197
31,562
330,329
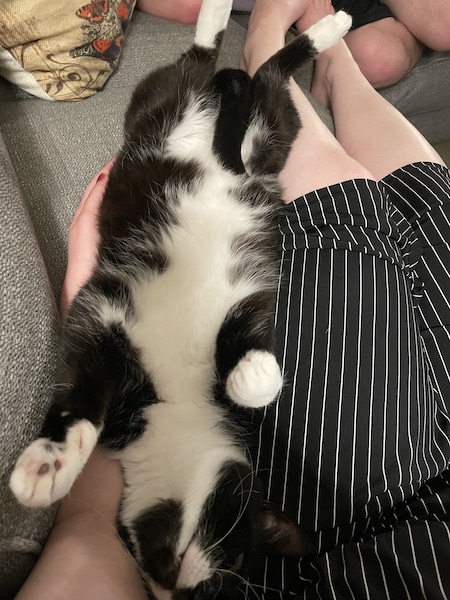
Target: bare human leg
x,y
316,159
370,129
385,50
84,557
427,20
185,11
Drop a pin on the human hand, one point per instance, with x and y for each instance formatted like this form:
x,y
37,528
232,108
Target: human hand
x,y
83,238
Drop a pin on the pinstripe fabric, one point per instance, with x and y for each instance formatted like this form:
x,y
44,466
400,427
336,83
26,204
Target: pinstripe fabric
x,y
358,446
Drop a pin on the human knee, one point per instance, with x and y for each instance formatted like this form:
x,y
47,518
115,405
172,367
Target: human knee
x,y
383,58
436,35
185,11
381,67
189,10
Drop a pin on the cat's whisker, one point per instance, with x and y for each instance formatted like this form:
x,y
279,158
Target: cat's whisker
x,y
252,585
238,517
62,386
219,589
240,512
143,574
248,585
123,548
90,506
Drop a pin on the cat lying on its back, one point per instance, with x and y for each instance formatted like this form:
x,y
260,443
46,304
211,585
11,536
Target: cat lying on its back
x,y
168,348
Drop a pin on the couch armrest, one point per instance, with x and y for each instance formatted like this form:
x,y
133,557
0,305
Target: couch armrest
x,y
28,345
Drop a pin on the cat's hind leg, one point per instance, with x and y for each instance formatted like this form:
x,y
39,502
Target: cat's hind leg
x,y
329,30
275,122
212,20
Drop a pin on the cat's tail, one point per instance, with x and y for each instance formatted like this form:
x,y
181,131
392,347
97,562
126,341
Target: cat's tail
x,y
212,22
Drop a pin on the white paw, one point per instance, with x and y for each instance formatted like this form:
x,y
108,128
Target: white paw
x,y
328,31
212,19
46,470
256,380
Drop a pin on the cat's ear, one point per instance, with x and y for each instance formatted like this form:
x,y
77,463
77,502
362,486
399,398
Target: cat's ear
x,y
279,534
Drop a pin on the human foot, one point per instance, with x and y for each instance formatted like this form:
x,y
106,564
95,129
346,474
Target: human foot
x,y
269,21
313,12
326,67
283,12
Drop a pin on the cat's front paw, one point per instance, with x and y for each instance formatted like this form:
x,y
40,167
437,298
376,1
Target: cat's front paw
x,y
46,470
256,380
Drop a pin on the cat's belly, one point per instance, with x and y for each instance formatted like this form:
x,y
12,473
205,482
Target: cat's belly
x,y
180,311
178,457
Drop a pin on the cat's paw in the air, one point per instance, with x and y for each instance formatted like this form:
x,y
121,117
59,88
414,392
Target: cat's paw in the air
x,y
256,380
329,30
46,470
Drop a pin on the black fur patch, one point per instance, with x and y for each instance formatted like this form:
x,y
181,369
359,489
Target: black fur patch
x,y
157,531
235,90
249,325
230,515
104,378
137,206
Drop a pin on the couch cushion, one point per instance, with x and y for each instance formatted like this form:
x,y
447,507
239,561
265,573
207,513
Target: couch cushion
x,y
62,50
424,96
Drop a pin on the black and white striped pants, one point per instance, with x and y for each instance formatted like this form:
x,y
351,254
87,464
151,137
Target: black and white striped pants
x,y
357,448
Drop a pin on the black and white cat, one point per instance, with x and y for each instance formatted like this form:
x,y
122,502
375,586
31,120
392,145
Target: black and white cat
x,y
168,349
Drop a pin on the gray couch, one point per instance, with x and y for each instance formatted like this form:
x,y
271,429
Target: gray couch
x,y
48,153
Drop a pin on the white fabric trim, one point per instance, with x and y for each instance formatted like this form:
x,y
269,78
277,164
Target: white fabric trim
x,y
11,70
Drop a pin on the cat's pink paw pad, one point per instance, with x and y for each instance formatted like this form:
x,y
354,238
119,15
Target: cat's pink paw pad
x,y
46,470
256,380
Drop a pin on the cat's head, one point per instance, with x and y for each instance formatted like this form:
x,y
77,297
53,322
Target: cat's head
x,y
211,557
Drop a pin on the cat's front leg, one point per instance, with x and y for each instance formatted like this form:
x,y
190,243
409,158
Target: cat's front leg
x,y
248,368
256,380
90,369
46,469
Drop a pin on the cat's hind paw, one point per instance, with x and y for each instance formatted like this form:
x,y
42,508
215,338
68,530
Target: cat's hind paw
x,y
329,30
256,380
46,470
